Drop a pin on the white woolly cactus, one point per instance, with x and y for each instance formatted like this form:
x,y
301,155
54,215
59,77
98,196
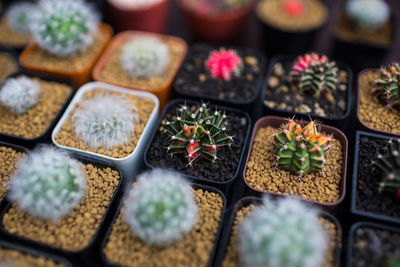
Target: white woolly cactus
x,y
64,28
368,15
282,233
107,120
19,16
160,208
48,184
19,94
144,57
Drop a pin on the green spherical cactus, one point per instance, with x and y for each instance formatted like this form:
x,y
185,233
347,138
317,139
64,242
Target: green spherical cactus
x,y
19,16
284,232
386,88
367,15
161,208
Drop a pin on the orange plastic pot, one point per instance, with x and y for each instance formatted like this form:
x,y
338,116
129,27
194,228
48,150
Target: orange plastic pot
x,y
163,92
79,77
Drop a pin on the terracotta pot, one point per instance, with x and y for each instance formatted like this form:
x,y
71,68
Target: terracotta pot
x,y
79,77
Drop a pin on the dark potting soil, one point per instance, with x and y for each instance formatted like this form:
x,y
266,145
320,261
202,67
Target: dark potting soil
x,y
373,246
368,197
195,78
224,167
281,94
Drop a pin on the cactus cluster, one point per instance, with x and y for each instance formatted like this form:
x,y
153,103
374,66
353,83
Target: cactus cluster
x,y
161,208
282,233
223,64
107,120
314,74
387,86
367,15
196,134
64,28
144,57
48,184
301,150
19,94
19,16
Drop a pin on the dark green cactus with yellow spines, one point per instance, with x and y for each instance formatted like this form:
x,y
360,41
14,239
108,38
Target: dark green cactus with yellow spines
x,y
301,150
387,86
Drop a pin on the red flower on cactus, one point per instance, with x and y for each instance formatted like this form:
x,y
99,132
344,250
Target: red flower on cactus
x,y
293,8
221,64
304,62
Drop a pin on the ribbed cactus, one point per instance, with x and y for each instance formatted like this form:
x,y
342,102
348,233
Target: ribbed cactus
x,y
198,134
222,64
314,74
48,184
161,208
367,15
301,150
19,94
144,57
107,120
64,28
284,232
387,86
19,16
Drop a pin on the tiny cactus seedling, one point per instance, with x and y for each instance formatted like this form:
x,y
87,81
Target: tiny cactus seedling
x,y
198,134
386,88
223,63
367,15
314,74
301,150
107,120
48,184
282,233
161,208
19,94
19,16
144,57
64,28
294,8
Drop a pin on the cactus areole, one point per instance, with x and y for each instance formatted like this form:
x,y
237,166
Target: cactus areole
x,y
387,86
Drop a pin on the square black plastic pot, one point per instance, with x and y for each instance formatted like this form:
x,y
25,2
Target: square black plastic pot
x,y
46,136
217,237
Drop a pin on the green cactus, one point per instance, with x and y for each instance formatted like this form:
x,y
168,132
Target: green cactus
x,y
387,86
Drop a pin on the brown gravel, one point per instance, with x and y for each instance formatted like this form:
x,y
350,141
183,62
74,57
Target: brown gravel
x,y
67,137
10,38
8,160
271,13
8,65
37,119
373,113
125,249
11,257
261,173
75,231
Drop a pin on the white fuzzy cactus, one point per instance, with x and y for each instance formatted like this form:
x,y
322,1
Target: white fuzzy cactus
x,y
160,208
107,120
368,15
19,94
144,57
19,16
282,233
64,28
48,184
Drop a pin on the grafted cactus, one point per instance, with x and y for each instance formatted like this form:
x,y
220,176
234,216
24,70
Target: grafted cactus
x,y
386,88
223,64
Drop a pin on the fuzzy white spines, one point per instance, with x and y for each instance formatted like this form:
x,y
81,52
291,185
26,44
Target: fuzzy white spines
x,y
64,28
282,233
107,120
19,16
48,184
368,15
19,94
160,208
144,57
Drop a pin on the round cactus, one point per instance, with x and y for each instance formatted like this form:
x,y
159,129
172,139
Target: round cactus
x,y
64,28
386,88
19,94
107,120
144,57
282,233
160,208
48,184
19,16
223,63
367,15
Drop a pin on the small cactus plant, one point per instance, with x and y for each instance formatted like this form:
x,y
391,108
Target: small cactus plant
x,y
19,16
161,208
223,63
48,184
314,74
198,134
367,15
19,94
144,57
282,233
64,28
387,86
107,120
301,150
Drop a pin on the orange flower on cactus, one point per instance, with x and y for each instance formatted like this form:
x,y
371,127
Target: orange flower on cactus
x,y
223,63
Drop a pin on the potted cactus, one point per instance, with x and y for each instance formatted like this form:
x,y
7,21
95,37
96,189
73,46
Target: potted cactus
x,y
9,63
68,40
164,217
